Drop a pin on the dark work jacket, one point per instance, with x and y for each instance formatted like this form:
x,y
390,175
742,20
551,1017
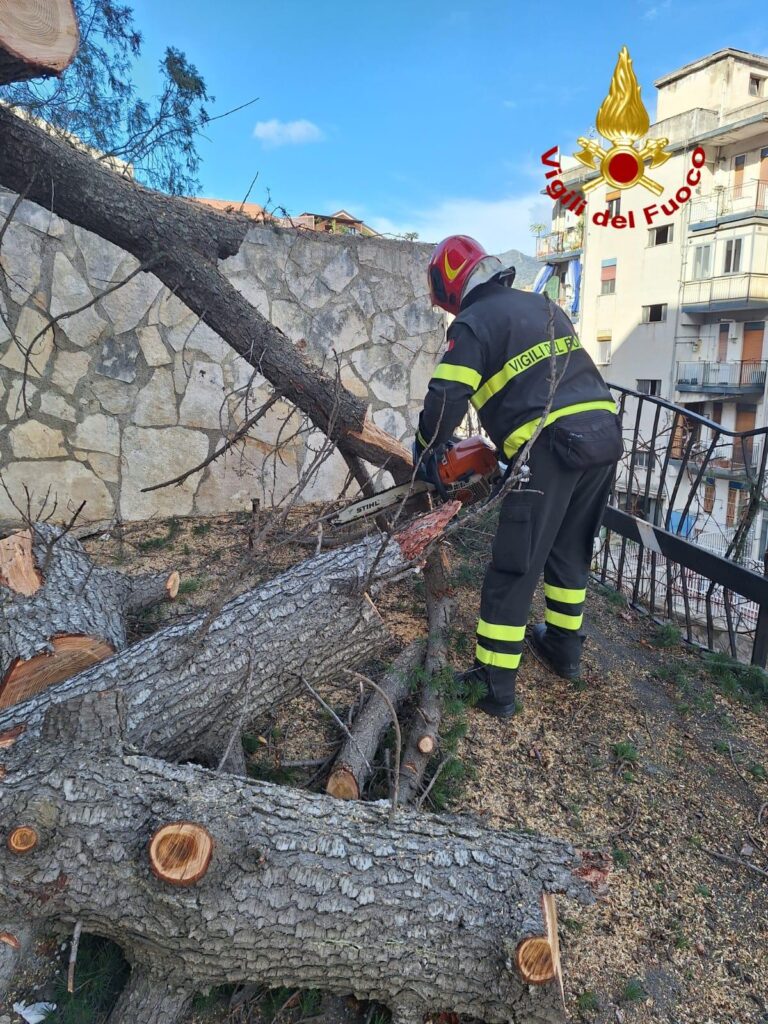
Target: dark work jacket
x,y
499,357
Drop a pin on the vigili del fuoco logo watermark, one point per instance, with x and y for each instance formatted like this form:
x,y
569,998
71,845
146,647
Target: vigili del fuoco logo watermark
x,y
622,119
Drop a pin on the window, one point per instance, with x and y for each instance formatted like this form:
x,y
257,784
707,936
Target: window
x,y
647,386
701,261
738,501
755,86
709,495
732,264
655,314
614,206
608,277
603,349
660,236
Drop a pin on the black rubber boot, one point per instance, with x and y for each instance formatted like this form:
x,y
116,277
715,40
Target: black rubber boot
x,y
560,653
498,702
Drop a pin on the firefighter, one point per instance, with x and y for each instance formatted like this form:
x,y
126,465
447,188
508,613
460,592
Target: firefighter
x,y
499,357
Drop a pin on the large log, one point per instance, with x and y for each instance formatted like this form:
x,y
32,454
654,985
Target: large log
x,y
191,685
422,913
59,613
183,242
38,38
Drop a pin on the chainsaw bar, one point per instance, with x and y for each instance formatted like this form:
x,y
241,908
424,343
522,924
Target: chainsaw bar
x,y
367,507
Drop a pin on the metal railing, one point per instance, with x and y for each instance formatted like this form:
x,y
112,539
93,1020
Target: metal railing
x,y
558,242
724,378
664,500
740,289
747,198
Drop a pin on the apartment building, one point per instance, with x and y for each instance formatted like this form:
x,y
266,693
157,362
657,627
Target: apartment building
x,y
677,307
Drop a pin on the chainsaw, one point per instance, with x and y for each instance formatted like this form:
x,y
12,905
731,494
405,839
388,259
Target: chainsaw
x,y
468,470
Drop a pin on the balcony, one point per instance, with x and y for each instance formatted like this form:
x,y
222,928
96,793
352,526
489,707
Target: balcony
x,y
738,378
559,245
722,294
729,459
724,205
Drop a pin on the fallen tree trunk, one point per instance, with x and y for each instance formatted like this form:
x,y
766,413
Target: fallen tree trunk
x,y
38,38
191,685
423,913
59,613
352,766
182,242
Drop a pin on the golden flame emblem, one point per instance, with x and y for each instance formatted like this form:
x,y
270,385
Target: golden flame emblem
x,y
623,119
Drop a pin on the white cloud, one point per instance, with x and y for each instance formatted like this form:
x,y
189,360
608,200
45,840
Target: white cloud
x,y
653,12
287,133
498,224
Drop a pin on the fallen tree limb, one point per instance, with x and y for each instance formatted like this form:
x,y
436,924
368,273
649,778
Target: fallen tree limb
x,y
59,613
183,242
353,763
187,686
423,737
427,913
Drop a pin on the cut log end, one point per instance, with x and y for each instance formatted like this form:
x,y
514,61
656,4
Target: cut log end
x,y
36,38
538,956
22,839
426,745
10,940
342,784
17,564
180,852
71,654
172,585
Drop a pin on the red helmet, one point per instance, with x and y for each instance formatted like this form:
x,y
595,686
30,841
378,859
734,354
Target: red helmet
x,y
451,263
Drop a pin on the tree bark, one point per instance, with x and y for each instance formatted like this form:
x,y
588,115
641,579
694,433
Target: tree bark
x,y
423,914
149,998
183,241
189,686
38,38
352,766
59,613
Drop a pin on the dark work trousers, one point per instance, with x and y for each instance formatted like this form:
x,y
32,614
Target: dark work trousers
x,y
550,525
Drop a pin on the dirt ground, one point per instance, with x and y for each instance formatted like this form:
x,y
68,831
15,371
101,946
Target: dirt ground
x,y
654,755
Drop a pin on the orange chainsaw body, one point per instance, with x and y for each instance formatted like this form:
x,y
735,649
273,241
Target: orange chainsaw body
x,y
473,456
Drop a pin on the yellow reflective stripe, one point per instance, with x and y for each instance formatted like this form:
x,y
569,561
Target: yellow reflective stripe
x,y
462,374
564,594
524,361
565,621
421,440
495,659
518,437
511,634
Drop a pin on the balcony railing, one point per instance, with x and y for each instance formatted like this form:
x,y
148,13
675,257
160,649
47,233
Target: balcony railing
x,y
735,378
663,503
738,458
748,198
731,291
559,242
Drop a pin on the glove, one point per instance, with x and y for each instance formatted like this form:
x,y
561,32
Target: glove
x,y
427,463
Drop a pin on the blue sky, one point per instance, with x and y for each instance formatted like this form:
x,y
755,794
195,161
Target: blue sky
x,y
420,115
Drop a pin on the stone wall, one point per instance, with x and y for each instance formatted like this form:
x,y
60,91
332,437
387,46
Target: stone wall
x,y
135,390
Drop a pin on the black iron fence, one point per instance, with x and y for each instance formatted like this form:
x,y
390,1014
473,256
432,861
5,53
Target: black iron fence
x,y
684,527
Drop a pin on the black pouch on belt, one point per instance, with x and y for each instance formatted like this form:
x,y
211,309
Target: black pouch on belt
x,y
587,439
